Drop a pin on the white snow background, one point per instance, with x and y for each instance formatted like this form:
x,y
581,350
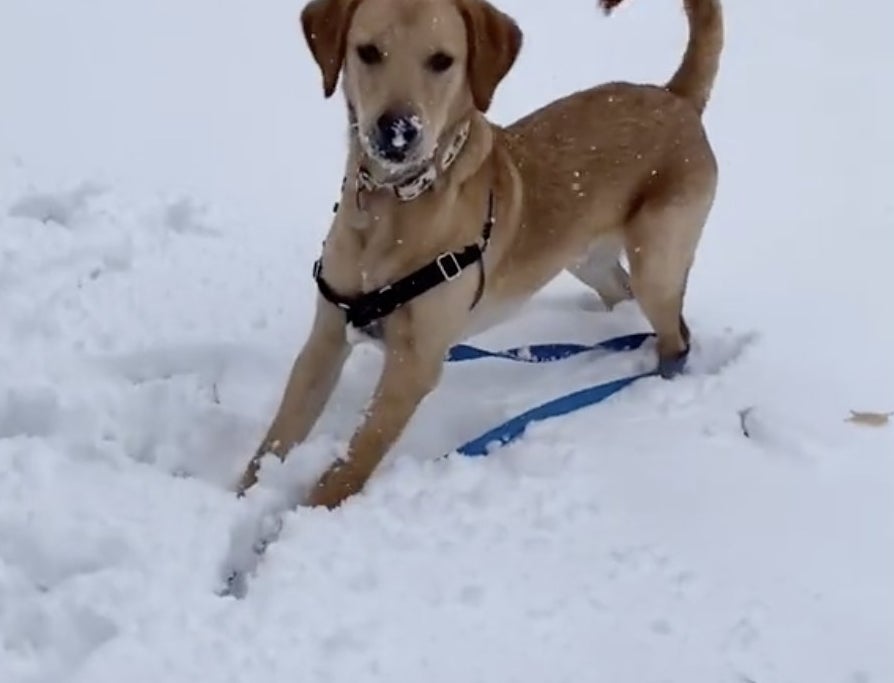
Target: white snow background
x,y
167,171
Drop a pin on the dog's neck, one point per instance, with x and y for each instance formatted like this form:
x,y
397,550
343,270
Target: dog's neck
x,y
382,237
379,220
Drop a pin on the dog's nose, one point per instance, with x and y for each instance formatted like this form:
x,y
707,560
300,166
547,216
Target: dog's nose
x,y
396,133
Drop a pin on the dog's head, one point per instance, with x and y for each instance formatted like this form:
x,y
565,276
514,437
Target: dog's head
x,y
411,68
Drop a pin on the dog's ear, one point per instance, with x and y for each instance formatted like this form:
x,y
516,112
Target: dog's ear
x,y
325,24
494,43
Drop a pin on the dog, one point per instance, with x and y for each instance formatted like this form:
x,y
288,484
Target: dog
x,y
447,222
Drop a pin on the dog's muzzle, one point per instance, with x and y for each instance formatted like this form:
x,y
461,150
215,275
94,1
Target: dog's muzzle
x,y
395,136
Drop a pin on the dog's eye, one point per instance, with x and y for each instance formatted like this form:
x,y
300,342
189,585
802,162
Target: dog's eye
x,y
369,54
439,62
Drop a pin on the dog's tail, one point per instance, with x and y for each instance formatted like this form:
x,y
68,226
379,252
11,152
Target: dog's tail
x,y
694,78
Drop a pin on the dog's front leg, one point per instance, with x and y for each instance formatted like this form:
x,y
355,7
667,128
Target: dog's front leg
x,y
409,374
313,378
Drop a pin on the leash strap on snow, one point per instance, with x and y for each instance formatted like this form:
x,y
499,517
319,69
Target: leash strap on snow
x,y
546,353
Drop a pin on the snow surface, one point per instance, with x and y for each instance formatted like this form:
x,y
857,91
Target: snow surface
x,y
166,175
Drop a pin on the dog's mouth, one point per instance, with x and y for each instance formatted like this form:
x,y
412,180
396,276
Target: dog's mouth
x,y
395,144
394,167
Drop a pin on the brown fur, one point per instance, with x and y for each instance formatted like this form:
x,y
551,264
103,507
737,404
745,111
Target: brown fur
x,y
616,167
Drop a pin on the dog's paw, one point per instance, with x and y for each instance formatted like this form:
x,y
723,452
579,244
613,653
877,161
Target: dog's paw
x,y
339,482
669,368
248,479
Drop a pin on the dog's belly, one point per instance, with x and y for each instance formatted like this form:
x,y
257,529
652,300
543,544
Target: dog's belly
x,y
484,317
489,314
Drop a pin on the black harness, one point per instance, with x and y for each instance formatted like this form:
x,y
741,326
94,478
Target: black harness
x,y
364,309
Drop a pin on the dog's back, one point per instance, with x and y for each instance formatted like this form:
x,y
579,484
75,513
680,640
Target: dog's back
x,y
623,165
618,131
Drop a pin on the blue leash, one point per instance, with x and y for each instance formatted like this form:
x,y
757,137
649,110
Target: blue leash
x,y
546,353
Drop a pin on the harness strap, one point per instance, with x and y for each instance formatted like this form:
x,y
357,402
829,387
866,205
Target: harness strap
x,y
364,309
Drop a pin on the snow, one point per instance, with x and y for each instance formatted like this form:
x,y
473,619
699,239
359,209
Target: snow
x,y
167,172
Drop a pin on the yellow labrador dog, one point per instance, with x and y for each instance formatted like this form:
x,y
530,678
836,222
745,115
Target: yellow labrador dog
x,y
447,222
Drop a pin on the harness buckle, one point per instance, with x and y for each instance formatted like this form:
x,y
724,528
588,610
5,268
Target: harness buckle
x,y
449,258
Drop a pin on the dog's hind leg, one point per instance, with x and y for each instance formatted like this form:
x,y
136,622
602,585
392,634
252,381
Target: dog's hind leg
x,y
601,270
660,240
